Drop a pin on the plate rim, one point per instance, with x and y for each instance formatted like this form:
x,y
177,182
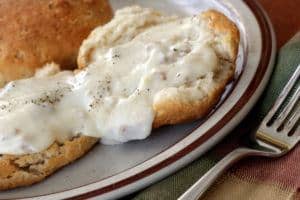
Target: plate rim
x,y
263,72
268,44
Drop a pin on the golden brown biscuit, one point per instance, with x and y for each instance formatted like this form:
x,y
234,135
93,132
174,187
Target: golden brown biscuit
x,y
33,33
176,108
16,171
180,109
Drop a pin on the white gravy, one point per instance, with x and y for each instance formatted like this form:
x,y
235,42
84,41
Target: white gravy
x,y
113,97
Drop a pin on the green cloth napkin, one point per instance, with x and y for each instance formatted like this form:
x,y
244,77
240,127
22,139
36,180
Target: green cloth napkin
x,y
173,186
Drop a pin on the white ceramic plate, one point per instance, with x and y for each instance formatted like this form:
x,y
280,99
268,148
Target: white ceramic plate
x,y
113,171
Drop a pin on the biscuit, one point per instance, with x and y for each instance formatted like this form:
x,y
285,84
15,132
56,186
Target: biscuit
x,y
33,33
177,108
16,171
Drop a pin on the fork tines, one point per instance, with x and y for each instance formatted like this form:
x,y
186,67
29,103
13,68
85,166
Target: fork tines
x,y
284,116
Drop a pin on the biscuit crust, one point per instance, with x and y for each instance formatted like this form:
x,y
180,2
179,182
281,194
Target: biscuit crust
x,y
176,109
226,33
33,33
179,109
16,171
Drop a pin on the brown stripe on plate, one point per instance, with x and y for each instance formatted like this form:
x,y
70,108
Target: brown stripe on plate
x,y
254,84
259,75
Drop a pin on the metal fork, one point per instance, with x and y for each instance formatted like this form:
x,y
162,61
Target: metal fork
x,y
278,133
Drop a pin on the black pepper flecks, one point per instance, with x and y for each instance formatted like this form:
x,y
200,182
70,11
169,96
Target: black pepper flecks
x,y
116,56
3,107
103,88
50,97
94,104
138,91
7,107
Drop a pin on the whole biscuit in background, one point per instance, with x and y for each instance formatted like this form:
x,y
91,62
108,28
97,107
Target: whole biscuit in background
x,y
35,32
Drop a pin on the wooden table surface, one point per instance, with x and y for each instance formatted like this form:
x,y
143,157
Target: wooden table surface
x,y
285,16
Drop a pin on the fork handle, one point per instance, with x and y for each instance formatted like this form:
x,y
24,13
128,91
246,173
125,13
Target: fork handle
x,y
198,189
